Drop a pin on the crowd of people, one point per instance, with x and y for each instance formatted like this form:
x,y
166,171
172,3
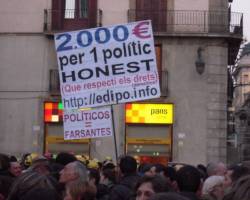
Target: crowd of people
x,y
68,177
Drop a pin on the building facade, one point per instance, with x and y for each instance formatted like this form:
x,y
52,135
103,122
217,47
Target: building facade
x,y
195,41
241,106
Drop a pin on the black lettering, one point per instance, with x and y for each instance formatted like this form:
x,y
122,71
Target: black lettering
x,y
117,52
63,61
133,67
73,59
99,99
147,63
148,50
72,76
85,74
117,70
102,71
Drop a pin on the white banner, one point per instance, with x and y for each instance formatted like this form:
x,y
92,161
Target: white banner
x,y
81,124
107,65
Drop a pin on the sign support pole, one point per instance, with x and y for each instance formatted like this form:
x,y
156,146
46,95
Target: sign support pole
x,y
113,125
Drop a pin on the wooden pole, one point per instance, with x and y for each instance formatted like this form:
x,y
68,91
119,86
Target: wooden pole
x,y
113,125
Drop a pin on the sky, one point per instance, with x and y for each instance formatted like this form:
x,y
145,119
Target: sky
x,y
243,6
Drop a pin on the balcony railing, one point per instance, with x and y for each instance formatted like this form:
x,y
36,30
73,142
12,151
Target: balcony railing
x,y
69,19
181,21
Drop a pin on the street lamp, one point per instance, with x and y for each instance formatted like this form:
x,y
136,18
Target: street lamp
x,y
199,63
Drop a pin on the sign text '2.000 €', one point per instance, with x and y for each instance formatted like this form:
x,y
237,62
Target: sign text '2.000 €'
x,y
107,65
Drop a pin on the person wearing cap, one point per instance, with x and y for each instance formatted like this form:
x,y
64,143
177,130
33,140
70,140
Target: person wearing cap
x,y
40,164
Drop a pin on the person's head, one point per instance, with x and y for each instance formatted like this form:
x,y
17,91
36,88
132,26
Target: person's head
x,y
149,185
40,164
213,186
80,190
64,158
13,158
218,169
146,169
159,168
73,171
170,174
28,181
128,165
15,169
168,196
94,176
4,162
188,179
233,174
240,190
107,176
203,171
108,165
26,161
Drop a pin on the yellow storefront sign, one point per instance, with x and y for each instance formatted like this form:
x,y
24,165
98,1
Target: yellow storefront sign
x,y
148,141
149,113
59,139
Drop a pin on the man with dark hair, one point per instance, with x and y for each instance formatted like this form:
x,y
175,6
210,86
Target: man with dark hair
x,y
189,182
170,174
6,179
234,172
129,178
65,158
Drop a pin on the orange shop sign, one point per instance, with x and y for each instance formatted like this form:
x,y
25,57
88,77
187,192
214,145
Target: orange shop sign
x,y
149,113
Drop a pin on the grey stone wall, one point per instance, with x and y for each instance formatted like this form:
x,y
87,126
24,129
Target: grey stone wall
x,y
200,100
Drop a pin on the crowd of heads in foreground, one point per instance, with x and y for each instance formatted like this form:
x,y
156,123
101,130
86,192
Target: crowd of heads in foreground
x,y
69,177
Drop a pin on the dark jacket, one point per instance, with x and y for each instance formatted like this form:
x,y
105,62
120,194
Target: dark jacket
x,y
189,195
5,183
125,189
208,197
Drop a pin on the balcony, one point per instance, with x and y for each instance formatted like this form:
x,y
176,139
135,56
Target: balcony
x,y
69,20
168,22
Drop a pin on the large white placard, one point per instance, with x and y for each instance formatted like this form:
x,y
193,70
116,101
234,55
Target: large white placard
x,y
80,124
107,65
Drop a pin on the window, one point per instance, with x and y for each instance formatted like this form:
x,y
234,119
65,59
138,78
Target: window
x,y
245,78
156,10
69,9
83,8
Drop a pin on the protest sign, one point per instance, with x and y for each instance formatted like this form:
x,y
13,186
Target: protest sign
x,y
107,65
91,123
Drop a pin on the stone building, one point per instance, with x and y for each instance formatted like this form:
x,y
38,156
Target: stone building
x,y
241,104
195,41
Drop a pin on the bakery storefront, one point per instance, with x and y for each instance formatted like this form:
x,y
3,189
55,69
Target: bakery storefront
x,y
148,130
